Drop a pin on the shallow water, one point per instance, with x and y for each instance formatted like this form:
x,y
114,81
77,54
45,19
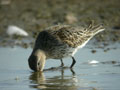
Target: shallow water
x,y
103,75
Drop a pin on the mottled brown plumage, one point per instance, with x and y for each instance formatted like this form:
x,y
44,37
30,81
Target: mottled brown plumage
x,y
61,41
73,36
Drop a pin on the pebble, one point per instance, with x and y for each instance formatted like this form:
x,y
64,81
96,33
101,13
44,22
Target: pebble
x,y
14,30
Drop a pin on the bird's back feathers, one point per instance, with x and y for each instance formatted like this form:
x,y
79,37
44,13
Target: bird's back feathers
x,y
74,36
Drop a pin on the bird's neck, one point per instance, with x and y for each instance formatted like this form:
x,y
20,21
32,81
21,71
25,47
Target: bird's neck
x,y
39,53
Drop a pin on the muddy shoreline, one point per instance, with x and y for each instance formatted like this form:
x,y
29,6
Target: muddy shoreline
x,y
35,16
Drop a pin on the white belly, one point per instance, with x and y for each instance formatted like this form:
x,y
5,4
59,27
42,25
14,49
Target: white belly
x,y
81,46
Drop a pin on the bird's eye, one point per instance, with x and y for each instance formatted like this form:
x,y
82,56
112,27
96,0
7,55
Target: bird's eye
x,y
38,63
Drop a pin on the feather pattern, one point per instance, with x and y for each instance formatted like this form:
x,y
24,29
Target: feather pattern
x,y
74,36
63,40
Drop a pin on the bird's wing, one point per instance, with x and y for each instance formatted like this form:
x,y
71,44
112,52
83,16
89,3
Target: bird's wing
x,y
73,36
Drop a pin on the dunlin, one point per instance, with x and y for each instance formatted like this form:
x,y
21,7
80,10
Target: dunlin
x,y
60,41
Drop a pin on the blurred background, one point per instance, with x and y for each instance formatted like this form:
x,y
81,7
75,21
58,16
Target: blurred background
x,y
34,16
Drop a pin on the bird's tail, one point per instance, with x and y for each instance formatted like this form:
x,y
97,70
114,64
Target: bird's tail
x,y
94,29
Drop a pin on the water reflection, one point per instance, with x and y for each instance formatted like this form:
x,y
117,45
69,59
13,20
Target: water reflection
x,y
37,79
57,82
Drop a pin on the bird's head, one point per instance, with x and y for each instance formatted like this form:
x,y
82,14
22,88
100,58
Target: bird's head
x,y
37,60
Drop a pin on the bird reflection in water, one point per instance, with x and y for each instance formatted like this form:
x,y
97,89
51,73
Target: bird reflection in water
x,y
57,82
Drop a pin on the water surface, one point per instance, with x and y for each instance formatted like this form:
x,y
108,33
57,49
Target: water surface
x,y
103,75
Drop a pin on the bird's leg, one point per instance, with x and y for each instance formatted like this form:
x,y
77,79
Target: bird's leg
x,y
73,62
73,72
62,64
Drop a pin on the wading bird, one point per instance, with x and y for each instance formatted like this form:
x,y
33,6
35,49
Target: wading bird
x,y
58,42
